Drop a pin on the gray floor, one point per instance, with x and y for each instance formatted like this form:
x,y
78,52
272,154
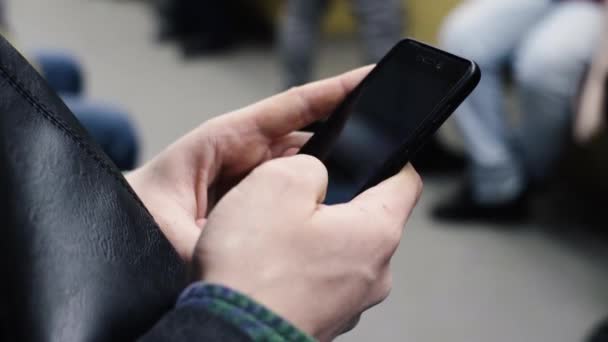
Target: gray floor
x,y
452,283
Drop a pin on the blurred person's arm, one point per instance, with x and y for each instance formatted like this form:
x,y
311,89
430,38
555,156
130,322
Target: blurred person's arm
x,y
3,17
590,117
274,251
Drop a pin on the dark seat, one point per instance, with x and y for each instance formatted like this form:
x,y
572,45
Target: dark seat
x,y
82,258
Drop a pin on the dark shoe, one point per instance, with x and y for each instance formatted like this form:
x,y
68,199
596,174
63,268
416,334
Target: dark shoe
x,y
167,32
462,207
434,159
198,46
600,333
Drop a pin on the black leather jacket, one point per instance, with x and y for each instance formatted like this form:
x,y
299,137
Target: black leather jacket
x,y
81,257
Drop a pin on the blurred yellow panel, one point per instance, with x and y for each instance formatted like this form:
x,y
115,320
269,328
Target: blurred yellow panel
x,y
424,16
339,18
271,7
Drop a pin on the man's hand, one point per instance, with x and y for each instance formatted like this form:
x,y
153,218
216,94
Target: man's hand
x,y
182,184
318,266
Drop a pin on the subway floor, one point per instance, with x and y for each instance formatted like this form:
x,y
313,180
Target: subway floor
x,y
452,283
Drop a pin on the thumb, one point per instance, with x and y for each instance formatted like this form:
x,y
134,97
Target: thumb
x,y
395,197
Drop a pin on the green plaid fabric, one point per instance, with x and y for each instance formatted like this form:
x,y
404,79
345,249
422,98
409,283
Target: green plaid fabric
x,y
255,320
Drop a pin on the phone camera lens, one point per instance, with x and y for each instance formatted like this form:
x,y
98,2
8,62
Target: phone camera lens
x,y
439,66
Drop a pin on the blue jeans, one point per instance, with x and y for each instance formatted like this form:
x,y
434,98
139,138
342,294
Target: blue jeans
x,y
109,125
548,44
380,25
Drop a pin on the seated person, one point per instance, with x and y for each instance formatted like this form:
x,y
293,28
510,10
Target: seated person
x,y
548,55
381,27
108,124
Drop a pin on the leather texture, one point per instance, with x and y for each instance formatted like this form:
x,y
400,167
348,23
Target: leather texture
x,y
81,257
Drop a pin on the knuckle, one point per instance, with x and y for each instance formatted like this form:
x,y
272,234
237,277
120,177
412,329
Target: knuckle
x,y
317,165
369,276
389,219
389,232
311,169
293,90
415,187
419,185
304,107
378,281
382,289
311,161
298,170
391,237
267,168
352,324
275,170
394,234
389,212
385,286
415,179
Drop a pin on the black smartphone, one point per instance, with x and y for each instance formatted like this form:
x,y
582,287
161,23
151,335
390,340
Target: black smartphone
x,y
389,116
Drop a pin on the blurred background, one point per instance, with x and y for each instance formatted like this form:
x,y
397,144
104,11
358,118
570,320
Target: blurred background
x,y
474,265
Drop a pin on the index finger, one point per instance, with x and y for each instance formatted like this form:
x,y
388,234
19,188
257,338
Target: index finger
x,y
300,106
394,199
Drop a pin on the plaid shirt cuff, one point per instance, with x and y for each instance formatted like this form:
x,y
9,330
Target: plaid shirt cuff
x,y
253,319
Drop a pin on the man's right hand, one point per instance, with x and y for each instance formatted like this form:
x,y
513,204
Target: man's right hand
x,y
318,266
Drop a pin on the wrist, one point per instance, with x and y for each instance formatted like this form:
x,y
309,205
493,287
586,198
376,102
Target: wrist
x,y
293,304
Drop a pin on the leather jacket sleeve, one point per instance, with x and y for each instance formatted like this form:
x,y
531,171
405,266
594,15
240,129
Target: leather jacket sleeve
x,y
206,312
84,258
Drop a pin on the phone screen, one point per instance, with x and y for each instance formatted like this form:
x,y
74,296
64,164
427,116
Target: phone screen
x,y
381,114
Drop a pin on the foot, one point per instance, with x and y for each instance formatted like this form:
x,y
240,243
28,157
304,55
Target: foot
x,y
462,207
167,32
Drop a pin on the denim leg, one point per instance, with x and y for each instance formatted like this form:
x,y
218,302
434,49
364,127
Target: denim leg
x,y
61,70
298,38
548,70
110,127
3,16
380,25
488,32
